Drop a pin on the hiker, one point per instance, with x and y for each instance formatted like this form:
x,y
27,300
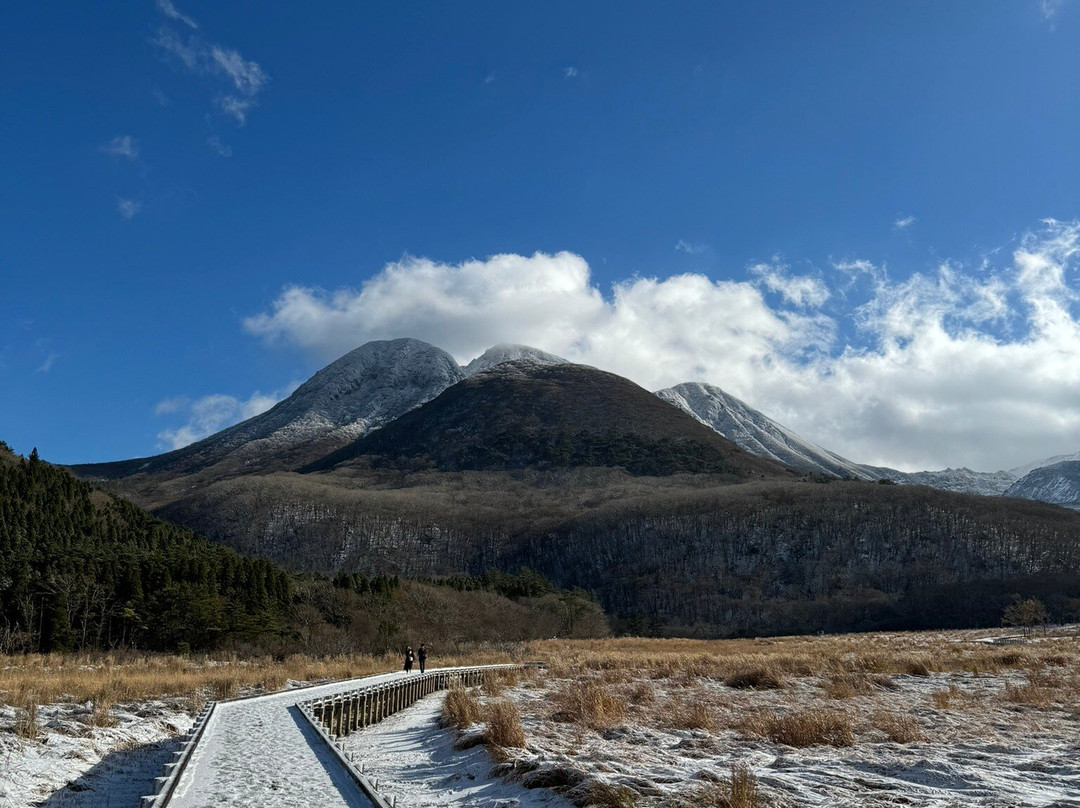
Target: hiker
x,y
408,658
421,656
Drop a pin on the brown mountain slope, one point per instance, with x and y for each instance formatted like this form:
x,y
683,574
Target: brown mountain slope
x,y
523,415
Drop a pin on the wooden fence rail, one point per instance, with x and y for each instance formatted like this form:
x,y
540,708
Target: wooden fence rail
x,y
347,712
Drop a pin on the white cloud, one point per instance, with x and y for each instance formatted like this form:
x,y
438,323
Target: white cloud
x,y
124,146
128,208
215,143
798,290
489,78
570,72
244,79
247,77
47,365
170,11
977,367
1050,8
690,248
903,222
236,108
212,413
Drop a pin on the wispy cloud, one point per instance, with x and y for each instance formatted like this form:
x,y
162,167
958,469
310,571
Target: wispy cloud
x,y
47,365
903,222
489,78
122,146
1050,8
240,80
570,72
128,208
212,413
802,291
915,370
215,143
690,248
170,11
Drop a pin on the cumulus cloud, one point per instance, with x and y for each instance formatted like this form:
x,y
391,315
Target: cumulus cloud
x,y
123,146
212,413
976,366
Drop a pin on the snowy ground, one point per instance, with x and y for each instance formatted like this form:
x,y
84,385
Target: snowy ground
x,y
73,763
415,761
998,738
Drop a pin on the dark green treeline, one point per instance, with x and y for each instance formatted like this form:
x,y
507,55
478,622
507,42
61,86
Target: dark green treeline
x,y
82,569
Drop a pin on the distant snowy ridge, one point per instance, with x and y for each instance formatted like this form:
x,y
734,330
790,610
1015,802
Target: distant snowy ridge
x,y
1058,483
756,433
760,435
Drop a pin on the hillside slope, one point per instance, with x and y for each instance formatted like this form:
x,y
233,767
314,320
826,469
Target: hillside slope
x,y
524,415
362,390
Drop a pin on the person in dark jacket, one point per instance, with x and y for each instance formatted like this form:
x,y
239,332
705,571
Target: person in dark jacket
x,y
408,658
421,656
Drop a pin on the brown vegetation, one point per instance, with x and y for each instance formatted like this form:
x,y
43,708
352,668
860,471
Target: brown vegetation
x,y
504,725
461,708
740,790
814,727
897,727
589,703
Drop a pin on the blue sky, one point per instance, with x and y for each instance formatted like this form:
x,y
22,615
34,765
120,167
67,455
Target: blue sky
x,y
836,211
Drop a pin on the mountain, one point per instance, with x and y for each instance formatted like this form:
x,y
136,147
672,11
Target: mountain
x,y
760,435
1027,468
362,390
961,480
511,353
1058,483
757,433
521,414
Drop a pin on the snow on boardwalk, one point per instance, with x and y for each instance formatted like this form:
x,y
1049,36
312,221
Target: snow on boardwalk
x,y
260,751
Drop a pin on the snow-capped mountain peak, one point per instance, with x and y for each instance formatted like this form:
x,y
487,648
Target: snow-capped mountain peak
x,y
499,354
755,432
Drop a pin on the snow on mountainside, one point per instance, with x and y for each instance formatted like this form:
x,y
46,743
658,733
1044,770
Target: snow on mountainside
x,y
962,480
1022,471
757,433
364,389
1058,483
511,353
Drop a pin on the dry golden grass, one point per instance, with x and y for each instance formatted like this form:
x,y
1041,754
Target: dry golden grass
x,y
740,790
606,795
915,654
504,725
120,677
814,727
26,725
898,728
846,685
679,713
590,703
754,679
461,708
949,698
